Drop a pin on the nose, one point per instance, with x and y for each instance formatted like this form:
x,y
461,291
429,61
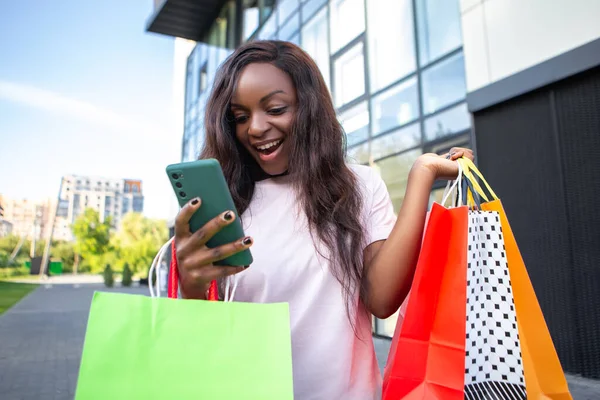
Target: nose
x,y
258,125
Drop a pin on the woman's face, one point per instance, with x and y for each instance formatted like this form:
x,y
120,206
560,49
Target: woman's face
x,y
264,106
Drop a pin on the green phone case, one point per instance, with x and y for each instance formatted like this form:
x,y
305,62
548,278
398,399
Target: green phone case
x,y
204,179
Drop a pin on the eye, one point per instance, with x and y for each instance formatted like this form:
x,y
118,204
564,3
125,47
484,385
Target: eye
x,y
240,119
277,110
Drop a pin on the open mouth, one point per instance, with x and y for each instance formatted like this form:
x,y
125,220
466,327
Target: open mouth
x,y
270,147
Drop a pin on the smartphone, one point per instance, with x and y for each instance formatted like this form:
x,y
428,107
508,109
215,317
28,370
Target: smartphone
x,y
205,179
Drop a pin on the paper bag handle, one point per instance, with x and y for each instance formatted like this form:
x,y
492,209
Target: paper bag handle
x,y
173,287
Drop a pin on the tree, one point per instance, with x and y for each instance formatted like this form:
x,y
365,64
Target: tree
x,y
65,252
92,238
10,242
138,241
126,278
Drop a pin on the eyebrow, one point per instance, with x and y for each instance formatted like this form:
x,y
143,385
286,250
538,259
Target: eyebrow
x,y
263,99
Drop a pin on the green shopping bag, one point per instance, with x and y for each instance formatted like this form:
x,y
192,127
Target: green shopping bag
x,y
138,347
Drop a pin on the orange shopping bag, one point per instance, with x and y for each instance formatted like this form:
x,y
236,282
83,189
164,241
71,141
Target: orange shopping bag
x,y
544,377
427,357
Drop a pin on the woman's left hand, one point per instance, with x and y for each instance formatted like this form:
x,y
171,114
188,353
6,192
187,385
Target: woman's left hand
x,y
458,152
444,166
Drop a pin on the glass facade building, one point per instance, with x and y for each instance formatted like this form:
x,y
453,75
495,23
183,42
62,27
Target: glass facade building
x,y
395,69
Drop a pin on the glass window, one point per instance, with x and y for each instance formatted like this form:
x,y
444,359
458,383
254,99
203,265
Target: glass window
x,y
202,79
189,81
189,150
255,12
290,27
396,142
266,9
436,196
251,17
438,28
394,171
444,84
443,147
396,106
347,22
455,120
391,41
268,30
310,7
312,41
359,154
356,123
222,31
199,138
285,9
295,39
349,72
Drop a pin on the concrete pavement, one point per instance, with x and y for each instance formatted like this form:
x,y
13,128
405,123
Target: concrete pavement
x,y
41,339
66,279
581,389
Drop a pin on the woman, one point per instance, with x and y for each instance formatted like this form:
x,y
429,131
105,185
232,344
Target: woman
x,y
323,233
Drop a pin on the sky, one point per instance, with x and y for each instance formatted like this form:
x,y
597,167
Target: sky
x,y
85,90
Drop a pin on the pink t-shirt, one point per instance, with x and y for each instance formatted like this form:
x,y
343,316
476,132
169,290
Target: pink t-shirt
x,y
329,360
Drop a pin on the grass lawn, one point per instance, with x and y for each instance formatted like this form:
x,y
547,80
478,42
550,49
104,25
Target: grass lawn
x,y
21,277
12,292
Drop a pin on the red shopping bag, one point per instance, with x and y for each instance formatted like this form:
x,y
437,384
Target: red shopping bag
x,y
427,356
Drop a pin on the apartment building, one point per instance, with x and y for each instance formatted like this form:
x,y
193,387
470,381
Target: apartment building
x,y
24,217
109,197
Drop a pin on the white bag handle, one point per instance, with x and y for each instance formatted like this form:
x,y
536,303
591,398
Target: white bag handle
x,y
157,261
155,292
457,183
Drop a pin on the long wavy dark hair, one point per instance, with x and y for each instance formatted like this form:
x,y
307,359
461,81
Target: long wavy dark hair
x,y
328,190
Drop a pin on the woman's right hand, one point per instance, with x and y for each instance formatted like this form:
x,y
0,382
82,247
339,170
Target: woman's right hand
x,y
194,259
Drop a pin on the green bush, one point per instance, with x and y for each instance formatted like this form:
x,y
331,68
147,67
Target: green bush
x,y
109,276
64,252
127,276
13,271
4,256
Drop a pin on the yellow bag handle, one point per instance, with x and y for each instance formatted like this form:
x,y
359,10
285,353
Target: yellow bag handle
x,y
472,167
468,167
475,185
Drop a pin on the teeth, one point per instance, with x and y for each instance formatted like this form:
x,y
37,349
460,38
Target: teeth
x,y
268,145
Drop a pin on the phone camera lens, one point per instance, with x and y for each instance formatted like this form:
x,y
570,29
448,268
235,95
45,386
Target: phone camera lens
x,y
179,185
182,194
175,175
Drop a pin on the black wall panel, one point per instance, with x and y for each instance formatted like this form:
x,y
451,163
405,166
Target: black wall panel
x,y
541,153
517,153
577,107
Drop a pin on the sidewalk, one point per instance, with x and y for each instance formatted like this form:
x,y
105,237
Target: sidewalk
x,y
41,340
581,388
66,279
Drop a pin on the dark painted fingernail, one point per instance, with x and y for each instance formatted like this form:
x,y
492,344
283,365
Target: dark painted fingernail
x,y
195,201
247,241
228,216
246,266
